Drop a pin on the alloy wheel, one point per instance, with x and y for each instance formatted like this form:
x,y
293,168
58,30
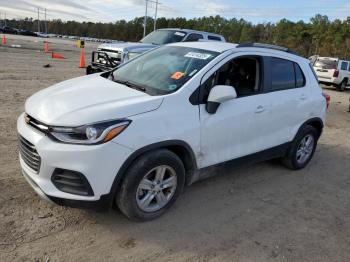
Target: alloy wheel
x,y
156,189
305,149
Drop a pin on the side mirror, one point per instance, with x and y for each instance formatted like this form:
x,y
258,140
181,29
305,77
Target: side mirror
x,y
218,95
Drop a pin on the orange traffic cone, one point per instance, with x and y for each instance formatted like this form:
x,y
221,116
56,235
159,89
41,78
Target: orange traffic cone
x,y
82,59
46,47
4,40
57,56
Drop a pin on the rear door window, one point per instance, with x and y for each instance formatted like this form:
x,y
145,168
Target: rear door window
x,y
282,74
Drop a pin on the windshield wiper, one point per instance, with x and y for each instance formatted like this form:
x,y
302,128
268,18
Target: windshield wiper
x,y
131,85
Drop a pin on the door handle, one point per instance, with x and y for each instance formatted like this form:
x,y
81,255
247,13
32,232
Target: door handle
x,y
259,109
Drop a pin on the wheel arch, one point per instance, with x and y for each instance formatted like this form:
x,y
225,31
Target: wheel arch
x,y
315,122
182,149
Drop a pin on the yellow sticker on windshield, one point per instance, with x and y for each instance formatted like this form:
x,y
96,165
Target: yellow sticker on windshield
x,y
177,75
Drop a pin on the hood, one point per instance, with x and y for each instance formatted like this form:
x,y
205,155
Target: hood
x,y
88,99
127,47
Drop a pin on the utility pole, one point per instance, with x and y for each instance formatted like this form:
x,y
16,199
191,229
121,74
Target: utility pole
x,y
45,23
38,22
155,16
145,20
5,20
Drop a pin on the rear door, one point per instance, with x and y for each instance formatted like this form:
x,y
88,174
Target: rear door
x,y
288,95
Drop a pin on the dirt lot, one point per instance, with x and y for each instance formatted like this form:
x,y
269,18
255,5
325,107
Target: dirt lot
x,y
262,212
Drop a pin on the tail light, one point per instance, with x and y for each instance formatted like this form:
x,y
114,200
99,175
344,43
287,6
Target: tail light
x,y
336,73
327,97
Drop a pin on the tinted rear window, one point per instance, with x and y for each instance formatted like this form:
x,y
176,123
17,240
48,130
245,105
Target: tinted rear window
x,y
326,64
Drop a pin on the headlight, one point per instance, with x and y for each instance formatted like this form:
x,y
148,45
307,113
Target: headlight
x,y
92,134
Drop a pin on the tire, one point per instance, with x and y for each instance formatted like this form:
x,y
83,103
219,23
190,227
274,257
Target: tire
x,y
342,85
133,195
293,159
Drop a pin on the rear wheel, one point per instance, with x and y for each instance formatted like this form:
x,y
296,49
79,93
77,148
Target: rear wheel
x,y
302,149
151,185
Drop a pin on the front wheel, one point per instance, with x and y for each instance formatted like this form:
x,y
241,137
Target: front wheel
x,y
151,185
302,149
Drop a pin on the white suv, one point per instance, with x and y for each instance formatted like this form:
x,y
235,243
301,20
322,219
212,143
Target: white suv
x,y
136,135
333,71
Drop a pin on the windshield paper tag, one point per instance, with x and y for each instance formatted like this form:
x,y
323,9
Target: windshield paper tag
x,y
198,55
179,34
177,75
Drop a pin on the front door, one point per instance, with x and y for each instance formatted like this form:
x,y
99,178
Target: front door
x,y
236,129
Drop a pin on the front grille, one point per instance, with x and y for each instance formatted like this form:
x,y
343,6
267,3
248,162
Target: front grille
x,y
29,154
71,182
115,56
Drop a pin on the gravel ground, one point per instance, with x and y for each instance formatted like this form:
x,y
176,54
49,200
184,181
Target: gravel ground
x,y
262,212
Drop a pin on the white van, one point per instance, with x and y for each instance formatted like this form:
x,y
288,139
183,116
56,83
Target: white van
x,y
333,71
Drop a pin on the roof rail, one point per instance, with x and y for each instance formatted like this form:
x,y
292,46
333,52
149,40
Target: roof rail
x,y
274,47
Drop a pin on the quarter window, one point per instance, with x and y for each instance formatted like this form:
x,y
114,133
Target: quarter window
x,y
299,76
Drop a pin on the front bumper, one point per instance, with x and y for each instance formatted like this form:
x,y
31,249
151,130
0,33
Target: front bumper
x,y
103,204
36,188
102,62
99,164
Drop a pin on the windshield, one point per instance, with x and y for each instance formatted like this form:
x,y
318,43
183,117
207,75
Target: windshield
x,y
163,70
163,37
326,64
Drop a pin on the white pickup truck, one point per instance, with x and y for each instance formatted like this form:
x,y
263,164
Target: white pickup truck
x,y
110,55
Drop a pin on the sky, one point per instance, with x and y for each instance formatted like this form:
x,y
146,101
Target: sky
x,y
256,11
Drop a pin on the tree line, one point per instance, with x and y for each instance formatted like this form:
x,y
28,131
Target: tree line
x,y
318,36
